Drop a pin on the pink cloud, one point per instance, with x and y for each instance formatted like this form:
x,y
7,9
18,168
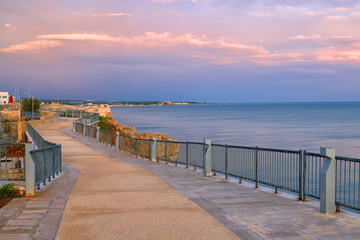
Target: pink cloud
x,y
335,17
79,36
31,46
335,54
302,37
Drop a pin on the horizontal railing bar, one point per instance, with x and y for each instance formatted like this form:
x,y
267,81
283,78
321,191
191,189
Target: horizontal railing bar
x,y
316,155
347,159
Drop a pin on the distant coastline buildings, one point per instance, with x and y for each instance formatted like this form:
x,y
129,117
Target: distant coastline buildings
x,y
5,98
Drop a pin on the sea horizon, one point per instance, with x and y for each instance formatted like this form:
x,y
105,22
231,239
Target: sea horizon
x,y
285,125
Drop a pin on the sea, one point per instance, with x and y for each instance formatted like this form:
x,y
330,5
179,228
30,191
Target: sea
x,y
291,126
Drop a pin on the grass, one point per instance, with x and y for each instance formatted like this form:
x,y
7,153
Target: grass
x,y
7,193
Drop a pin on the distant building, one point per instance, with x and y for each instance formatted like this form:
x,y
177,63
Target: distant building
x,y
11,99
4,98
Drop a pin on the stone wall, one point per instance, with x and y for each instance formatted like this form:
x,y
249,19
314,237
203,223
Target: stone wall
x,y
9,107
10,116
16,131
102,110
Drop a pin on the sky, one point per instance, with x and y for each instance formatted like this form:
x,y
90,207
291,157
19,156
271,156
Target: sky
x,y
181,50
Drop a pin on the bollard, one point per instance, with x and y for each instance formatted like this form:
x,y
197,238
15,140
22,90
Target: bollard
x,y
98,134
327,181
84,130
30,172
117,141
207,157
153,149
74,126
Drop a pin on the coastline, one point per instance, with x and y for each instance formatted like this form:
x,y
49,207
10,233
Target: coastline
x,y
154,105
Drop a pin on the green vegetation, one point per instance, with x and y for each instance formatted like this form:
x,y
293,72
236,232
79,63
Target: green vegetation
x,y
9,191
27,104
106,124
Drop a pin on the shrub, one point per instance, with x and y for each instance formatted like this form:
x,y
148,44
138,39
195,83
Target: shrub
x,y
27,104
9,190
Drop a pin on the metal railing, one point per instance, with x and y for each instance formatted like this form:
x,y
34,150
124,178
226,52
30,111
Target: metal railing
x,y
39,141
71,113
30,114
47,157
12,162
348,182
294,171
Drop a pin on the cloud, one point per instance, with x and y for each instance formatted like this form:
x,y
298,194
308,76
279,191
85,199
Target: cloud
x,y
355,14
334,54
119,14
165,39
335,17
10,26
31,46
302,37
338,9
79,36
166,1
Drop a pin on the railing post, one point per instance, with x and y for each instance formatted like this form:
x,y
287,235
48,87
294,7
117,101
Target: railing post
x,y
226,162
187,154
327,181
74,124
304,177
45,168
84,129
80,114
98,134
117,141
166,156
256,168
30,172
207,157
136,147
301,158
66,113
153,149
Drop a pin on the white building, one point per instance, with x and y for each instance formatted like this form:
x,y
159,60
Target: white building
x,y
4,98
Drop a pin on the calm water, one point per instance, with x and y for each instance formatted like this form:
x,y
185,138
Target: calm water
x,y
294,126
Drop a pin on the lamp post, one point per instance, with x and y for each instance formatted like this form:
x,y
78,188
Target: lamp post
x,y
32,104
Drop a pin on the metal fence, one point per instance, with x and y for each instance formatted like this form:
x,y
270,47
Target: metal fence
x,y
39,141
30,114
12,163
294,171
71,113
47,157
47,163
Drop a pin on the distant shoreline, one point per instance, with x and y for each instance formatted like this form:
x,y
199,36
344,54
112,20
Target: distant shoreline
x,y
154,105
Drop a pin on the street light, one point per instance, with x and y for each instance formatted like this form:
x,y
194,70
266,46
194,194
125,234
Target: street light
x,y
32,104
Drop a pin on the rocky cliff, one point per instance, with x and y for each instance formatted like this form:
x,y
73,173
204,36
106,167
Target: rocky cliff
x,y
164,150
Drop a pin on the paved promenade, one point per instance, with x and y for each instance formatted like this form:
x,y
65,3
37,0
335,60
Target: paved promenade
x,y
120,197
116,200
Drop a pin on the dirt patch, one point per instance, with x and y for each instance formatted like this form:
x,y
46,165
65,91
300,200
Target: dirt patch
x,y
4,201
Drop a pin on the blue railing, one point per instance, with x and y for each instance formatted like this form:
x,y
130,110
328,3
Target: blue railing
x,y
47,157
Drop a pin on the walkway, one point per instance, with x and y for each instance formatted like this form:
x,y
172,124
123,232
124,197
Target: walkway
x,y
39,217
116,200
